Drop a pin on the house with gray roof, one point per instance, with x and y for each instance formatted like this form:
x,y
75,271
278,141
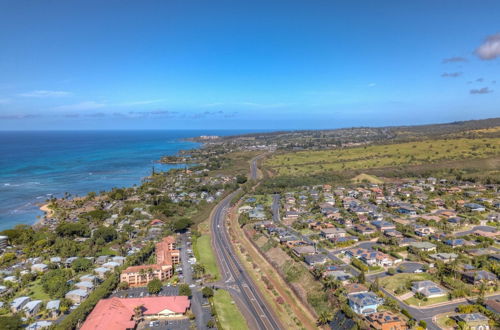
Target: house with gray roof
x,y
76,296
17,304
32,308
53,307
428,288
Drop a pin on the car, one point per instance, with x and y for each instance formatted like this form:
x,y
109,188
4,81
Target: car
x,y
192,286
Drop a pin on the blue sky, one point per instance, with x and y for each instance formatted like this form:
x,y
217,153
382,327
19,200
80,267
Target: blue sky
x,y
246,64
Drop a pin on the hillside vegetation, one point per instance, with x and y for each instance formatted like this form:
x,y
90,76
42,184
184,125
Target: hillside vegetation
x,y
408,154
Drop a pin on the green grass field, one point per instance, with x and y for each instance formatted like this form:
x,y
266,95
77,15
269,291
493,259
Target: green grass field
x,y
416,302
376,156
203,251
37,291
391,283
229,316
366,177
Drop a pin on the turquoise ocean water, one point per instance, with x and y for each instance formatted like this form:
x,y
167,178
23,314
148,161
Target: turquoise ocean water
x,y
37,165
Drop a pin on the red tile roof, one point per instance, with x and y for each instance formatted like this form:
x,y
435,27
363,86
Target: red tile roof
x,y
117,313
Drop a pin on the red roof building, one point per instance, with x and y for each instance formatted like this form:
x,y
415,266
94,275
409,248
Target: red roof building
x,y
118,313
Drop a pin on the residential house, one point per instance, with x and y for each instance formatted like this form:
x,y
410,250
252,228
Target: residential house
x,y
17,304
458,242
315,259
87,286
303,250
53,307
333,232
339,275
428,288
77,296
364,303
43,324
364,229
111,265
386,321
474,207
371,257
477,277
423,246
493,304
473,321
424,231
355,288
384,225
444,257
32,308
101,272
39,268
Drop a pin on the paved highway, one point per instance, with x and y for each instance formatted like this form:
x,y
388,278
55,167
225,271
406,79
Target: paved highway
x,y
235,279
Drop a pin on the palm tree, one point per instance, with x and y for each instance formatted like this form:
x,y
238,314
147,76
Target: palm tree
x,y
317,272
142,274
138,312
324,317
329,283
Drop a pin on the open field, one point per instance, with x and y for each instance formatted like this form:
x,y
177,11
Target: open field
x,y
227,311
377,156
203,251
363,177
391,283
38,293
431,301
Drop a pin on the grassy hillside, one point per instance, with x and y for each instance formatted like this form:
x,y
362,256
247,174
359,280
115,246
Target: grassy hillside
x,y
384,156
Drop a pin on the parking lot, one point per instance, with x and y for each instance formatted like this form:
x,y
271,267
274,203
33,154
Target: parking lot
x,y
166,324
143,292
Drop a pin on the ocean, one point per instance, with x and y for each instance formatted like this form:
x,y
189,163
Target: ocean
x,y
36,165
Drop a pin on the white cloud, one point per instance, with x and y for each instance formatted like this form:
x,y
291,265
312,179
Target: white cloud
x,y
134,103
45,93
372,84
88,105
490,49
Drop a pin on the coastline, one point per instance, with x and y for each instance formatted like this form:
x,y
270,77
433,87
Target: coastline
x,y
48,212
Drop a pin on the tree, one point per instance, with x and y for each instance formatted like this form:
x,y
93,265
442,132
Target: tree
x,y
123,286
154,287
391,271
107,234
324,317
241,179
317,272
54,282
423,324
13,322
81,264
198,270
207,292
361,277
182,224
69,229
185,290
211,324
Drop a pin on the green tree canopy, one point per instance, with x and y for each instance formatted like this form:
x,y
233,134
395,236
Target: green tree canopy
x,y
185,290
81,264
154,287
